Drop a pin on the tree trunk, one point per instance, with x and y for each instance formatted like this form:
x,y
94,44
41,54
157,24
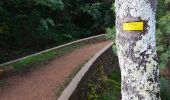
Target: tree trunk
x,y
136,49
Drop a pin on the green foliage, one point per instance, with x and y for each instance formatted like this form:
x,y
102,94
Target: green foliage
x,y
54,4
28,26
107,87
165,89
111,33
163,33
92,9
161,9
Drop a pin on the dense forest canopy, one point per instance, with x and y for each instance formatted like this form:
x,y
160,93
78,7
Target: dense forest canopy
x,y
28,26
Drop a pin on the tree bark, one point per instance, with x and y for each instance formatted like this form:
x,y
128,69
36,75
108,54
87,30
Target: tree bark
x,y
137,50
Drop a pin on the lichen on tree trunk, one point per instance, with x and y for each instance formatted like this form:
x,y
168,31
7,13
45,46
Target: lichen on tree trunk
x,y
137,50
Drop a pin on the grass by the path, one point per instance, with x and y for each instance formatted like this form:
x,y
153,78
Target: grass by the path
x,y
40,58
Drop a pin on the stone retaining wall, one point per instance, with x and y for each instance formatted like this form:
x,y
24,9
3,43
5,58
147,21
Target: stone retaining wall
x,y
77,89
86,40
8,66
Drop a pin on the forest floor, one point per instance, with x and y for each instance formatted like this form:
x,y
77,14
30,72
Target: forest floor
x,y
41,84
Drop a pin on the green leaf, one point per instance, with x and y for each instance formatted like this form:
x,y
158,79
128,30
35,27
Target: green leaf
x,y
53,4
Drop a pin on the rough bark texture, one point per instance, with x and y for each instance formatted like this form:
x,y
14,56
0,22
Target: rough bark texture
x,y
137,50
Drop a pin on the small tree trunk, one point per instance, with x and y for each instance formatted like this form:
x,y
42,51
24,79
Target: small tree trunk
x,y
137,50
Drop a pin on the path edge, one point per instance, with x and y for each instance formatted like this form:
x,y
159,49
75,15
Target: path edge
x,y
85,40
69,90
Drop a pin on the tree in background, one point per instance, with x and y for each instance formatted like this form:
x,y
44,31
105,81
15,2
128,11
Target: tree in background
x,y
136,49
29,26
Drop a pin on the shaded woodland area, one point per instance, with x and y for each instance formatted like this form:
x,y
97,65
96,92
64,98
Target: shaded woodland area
x,y
29,26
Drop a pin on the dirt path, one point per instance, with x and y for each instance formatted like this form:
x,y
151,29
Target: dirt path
x,y
41,84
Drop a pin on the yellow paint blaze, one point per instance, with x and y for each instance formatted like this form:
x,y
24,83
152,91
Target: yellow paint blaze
x,y
133,26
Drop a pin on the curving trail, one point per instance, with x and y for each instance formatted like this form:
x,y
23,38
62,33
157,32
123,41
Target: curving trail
x,y
41,84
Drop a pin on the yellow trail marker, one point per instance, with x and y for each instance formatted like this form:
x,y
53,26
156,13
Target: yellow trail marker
x,y
133,26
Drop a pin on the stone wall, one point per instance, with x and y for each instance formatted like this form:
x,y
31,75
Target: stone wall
x,y
8,66
78,87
